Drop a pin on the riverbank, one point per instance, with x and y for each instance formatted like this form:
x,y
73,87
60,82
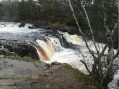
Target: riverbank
x,y
15,74
16,37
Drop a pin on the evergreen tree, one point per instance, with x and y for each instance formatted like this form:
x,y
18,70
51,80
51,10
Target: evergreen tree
x,y
0,10
27,10
22,11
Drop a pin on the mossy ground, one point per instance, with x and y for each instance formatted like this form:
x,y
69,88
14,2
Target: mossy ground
x,y
87,81
84,81
21,58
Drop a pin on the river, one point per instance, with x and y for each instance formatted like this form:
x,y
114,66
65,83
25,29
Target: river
x,y
51,46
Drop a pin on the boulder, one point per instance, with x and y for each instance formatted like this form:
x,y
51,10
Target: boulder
x,y
31,27
22,24
40,24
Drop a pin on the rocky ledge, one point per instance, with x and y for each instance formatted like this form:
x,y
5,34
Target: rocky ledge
x,y
15,74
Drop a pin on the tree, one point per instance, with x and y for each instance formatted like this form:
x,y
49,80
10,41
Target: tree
x,y
22,11
33,10
102,69
8,10
27,10
51,10
0,10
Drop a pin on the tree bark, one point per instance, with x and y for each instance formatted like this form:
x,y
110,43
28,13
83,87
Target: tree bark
x,y
118,23
76,20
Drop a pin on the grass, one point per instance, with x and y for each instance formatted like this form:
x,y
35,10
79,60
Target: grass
x,y
59,87
22,58
48,65
86,81
4,62
57,23
1,77
14,84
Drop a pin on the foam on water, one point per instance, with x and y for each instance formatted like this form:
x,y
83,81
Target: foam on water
x,y
65,55
114,84
14,28
70,56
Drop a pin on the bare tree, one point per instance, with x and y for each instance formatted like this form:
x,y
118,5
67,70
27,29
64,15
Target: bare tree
x,y
118,22
101,71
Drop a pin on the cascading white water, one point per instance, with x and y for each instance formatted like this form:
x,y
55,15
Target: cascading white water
x,y
71,57
74,39
14,28
114,84
46,49
51,50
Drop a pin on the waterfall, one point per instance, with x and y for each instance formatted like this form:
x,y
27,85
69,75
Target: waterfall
x,y
74,39
51,50
55,43
46,49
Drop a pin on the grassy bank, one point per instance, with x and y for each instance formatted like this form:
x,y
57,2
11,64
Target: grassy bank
x,y
86,81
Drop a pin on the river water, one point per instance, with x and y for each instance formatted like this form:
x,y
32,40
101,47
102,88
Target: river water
x,y
51,48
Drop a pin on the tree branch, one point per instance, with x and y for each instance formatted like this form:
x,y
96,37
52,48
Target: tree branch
x,y
72,10
86,67
116,55
91,31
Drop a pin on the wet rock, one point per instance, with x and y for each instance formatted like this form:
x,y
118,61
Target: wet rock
x,y
39,24
55,63
71,30
31,27
22,24
21,49
35,77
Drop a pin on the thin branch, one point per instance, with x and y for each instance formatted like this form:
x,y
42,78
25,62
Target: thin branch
x,y
81,13
72,10
105,25
116,55
108,70
114,29
92,35
118,23
86,66
103,51
99,59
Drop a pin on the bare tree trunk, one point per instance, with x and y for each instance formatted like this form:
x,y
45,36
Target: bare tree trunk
x,y
91,31
100,71
118,23
72,10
